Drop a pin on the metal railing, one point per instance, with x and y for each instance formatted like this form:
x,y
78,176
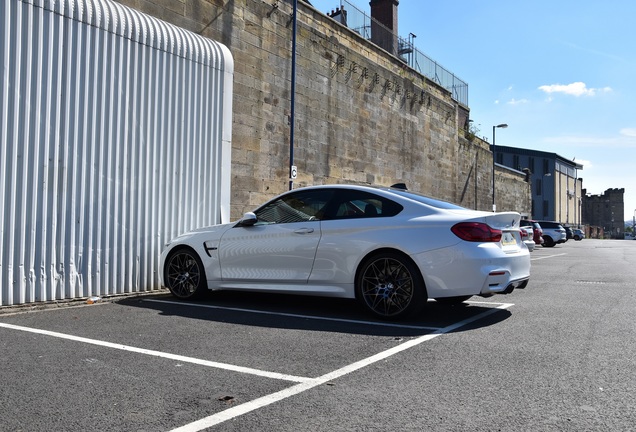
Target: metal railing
x,y
402,48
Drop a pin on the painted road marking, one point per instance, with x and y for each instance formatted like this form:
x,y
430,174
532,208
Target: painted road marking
x,y
548,256
304,383
169,356
308,385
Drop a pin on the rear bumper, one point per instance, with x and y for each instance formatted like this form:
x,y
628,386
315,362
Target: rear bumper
x,y
483,269
502,282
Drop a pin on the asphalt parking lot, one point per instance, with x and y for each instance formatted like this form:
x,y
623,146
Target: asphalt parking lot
x,y
241,361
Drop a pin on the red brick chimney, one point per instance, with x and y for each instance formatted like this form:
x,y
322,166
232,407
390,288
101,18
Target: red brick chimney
x,y
385,12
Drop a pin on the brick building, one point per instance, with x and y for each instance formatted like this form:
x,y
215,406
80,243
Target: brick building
x,y
605,211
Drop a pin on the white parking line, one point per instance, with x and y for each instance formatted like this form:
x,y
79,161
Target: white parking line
x,y
308,385
548,256
304,383
176,357
312,317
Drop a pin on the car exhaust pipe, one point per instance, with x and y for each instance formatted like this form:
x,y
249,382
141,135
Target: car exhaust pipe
x,y
517,284
509,289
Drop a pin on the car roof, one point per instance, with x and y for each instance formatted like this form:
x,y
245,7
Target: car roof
x,y
398,193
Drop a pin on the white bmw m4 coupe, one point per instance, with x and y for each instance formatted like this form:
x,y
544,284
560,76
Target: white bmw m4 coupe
x,y
389,248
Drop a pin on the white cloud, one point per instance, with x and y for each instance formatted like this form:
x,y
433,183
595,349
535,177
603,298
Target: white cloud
x,y
574,89
630,132
514,101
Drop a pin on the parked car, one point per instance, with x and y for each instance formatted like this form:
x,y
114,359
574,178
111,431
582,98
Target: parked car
x,y
538,231
578,234
569,234
553,233
527,235
389,248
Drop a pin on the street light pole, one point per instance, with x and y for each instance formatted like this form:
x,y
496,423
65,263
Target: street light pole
x,y
293,98
502,126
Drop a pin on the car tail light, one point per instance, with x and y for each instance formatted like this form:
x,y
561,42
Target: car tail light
x,y
524,233
476,232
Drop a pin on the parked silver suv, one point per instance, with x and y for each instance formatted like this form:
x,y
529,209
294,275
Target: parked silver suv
x,y
553,233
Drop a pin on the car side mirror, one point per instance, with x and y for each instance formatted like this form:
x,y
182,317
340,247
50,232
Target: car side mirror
x,y
248,219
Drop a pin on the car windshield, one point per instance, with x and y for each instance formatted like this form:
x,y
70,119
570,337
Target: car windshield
x,y
427,200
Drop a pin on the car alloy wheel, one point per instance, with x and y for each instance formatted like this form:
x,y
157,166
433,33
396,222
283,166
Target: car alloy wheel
x,y
184,274
390,286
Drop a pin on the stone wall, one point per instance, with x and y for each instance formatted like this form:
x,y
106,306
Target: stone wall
x,y
361,115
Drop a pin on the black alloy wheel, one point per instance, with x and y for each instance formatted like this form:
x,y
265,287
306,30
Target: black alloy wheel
x,y
184,274
390,286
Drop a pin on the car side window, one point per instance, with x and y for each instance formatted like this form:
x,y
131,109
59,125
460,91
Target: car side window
x,y
301,206
359,204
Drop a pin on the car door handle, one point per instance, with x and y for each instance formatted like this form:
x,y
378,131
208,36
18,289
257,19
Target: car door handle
x,y
304,230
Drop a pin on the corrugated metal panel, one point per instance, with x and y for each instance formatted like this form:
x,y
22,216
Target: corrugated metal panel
x,y
115,136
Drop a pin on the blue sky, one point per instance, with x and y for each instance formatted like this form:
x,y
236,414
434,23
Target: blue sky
x,y
561,74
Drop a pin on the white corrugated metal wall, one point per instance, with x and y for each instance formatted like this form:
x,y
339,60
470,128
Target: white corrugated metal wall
x,y
115,135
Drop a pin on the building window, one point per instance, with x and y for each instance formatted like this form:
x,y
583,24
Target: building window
x,y
545,208
500,158
531,163
546,166
538,186
515,162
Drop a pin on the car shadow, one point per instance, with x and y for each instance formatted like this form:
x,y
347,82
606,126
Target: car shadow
x,y
318,314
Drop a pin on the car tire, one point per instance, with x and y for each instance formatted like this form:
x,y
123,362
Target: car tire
x,y
452,300
184,274
577,238
389,285
547,241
